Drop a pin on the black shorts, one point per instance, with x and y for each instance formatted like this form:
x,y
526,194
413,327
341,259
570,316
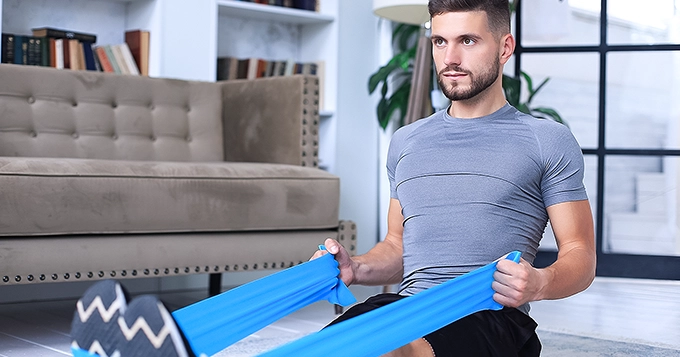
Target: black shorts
x,y
508,332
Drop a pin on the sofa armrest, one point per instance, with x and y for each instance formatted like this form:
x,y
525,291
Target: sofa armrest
x,y
273,120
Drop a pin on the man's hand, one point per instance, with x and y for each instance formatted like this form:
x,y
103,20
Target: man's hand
x,y
345,263
517,283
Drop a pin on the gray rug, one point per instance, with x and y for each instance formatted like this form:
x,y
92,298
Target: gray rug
x,y
252,346
554,345
562,345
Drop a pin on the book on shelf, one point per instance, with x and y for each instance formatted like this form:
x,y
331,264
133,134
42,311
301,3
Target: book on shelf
x,y
227,68
59,33
242,68
138,41
311,5
89,57
129,59
44,52
7,48
65,49
119,59
74,54
261,68
81,56
253,67
278,68
20,49
289,68
25,50
269,71
33,56
59,53
103,58
52,52
112,59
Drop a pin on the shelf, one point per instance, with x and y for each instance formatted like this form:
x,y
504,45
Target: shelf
x,y
257,11
325,114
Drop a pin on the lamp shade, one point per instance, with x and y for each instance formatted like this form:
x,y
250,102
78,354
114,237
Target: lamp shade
x,y
406,11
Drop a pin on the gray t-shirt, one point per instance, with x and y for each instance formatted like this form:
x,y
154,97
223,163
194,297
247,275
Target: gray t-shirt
x,y
473,190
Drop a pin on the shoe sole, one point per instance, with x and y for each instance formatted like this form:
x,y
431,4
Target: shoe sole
x,y
148,330
94,328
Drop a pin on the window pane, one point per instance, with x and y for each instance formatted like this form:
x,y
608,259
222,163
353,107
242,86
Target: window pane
x,y
648,22
572,90
642,109
590,181
559,23
641,205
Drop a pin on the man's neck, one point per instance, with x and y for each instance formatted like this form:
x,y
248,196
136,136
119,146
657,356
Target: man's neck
x,y
487,102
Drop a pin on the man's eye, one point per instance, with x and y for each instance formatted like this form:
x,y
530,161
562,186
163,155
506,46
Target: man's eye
x,y
468,41
438,42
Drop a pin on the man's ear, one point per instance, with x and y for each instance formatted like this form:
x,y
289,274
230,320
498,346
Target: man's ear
x,y
507,48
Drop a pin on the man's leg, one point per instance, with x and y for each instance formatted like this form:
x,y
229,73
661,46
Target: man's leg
x,y
417,348
507,332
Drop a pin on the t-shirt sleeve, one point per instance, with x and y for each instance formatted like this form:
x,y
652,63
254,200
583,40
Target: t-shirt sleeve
x,y
393,156
564,167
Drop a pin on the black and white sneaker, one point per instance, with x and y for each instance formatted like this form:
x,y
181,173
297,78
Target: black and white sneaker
x,y
95,322
148,330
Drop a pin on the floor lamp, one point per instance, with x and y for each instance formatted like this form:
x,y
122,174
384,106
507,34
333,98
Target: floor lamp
x,y
413,12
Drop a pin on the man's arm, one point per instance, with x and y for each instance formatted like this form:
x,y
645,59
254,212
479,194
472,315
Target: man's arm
x,y
573,271
383,264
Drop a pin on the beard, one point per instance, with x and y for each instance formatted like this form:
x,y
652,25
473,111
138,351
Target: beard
x,y
478,82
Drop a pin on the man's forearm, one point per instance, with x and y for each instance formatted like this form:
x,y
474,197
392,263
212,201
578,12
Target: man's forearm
x,y
572,273
382,265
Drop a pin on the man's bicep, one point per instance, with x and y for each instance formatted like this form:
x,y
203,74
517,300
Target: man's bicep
x,y
572,223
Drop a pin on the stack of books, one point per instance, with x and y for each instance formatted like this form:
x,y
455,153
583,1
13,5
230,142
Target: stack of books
x,y
65,49
229,68
251,68
311,5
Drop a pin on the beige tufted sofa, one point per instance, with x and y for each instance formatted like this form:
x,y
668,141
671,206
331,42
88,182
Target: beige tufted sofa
x,y
119,176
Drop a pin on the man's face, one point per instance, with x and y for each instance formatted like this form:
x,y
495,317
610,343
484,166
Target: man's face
x,y
466,54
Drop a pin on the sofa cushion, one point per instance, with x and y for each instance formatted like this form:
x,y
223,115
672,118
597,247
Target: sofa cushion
x,y
94,115
44,196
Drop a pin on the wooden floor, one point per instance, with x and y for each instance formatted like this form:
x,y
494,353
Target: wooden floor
x,y
646,312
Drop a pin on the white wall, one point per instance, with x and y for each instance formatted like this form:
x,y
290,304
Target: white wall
x,y
357,128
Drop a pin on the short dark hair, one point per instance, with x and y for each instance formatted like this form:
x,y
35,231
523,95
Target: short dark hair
x,y
497,11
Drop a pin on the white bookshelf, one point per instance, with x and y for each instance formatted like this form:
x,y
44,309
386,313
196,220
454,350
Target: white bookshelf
x,y
188,36
271,13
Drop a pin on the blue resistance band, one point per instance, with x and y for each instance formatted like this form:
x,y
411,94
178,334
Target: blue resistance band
x,y
214,324
397,324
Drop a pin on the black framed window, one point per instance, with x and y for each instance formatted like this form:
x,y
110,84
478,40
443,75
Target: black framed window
x,y
614,69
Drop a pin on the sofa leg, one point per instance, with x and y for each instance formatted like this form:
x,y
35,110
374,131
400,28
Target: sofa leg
x,y
215,284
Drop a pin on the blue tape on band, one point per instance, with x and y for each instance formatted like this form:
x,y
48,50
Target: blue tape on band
x,y
213,324
392,326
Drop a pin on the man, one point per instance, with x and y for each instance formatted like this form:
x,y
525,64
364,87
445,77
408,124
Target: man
x,y
472,183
